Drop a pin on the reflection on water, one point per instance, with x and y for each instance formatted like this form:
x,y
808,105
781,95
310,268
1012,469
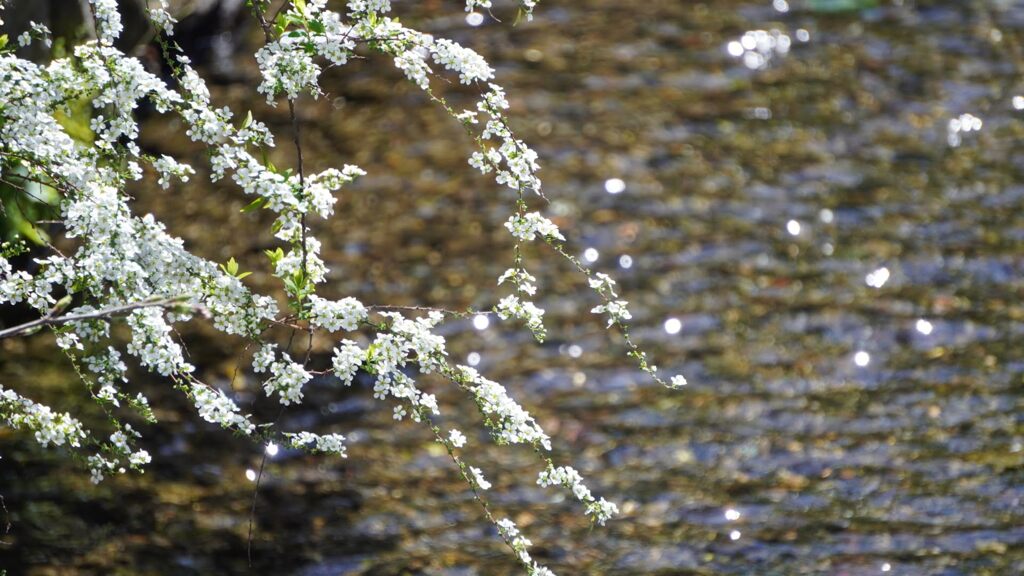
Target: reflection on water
x,y
839,281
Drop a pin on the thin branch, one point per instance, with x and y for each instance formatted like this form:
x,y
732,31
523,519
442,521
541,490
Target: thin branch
x,y
446,311
51,320
7,520
302,191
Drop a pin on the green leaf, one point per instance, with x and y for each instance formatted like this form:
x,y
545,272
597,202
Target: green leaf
x,y
317,26
255,205
248,120
244,275
232,267
301,5
274,255
289,284
3,41
76,119
61,304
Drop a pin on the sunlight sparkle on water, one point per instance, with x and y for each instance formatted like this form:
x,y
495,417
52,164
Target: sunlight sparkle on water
x,y
591,255
961,125
250,475
614,186
781,6
673,325
862,358
734,535
757,48
272,449
575,351
474,18
886,567
626,261
481,322
1018,102
923,326
878,278
732,514
473,359
793,227
826,215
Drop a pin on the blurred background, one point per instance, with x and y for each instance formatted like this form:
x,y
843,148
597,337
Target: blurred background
x,y
813,206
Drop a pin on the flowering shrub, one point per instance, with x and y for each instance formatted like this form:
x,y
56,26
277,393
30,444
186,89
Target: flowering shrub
x,y
127,266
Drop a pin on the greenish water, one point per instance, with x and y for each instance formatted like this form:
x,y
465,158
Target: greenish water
x,y
912,463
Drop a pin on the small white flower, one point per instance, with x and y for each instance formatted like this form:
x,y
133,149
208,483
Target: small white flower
x,y
457,438
616,310
478,479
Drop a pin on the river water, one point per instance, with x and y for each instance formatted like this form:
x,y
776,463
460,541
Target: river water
x,y
819,224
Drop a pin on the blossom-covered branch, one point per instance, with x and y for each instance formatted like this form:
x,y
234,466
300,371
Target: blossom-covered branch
x,y
126,265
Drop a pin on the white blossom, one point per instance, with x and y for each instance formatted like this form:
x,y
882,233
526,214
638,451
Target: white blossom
x,y
529,226
478,479
263,358
599,510
48,427
616,310
160,18
348,359
603,284
215,407
333,315
457,439
287,378
327,443
512,307
508,421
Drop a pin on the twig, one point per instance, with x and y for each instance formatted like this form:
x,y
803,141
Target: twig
x,y
458,313
50,320
255,493
7,520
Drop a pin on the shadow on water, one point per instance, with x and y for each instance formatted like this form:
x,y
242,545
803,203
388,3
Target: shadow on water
x,y
858,421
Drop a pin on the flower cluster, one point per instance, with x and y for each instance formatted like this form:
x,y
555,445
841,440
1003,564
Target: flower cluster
x,y
519,543
521,279
508,421
216,408
152,343
326,443
470,66
331,315
599,510
286,380
161,18
49,427
168,168
512,307
528,226
616,310
287,68
348,359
